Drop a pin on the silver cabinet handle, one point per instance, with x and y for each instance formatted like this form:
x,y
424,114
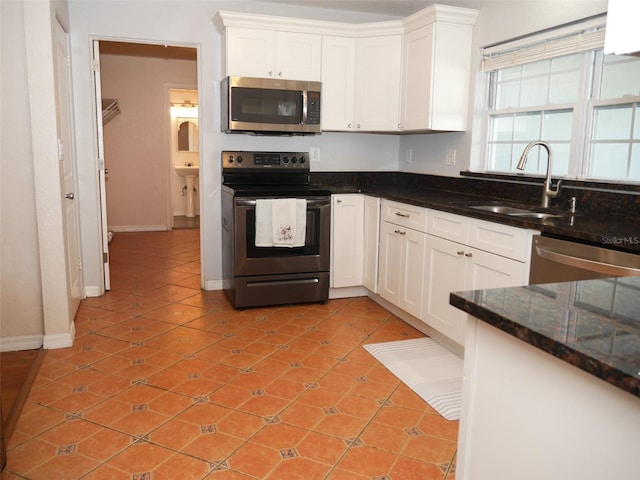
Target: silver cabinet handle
x,y
460,252
469,255
69,196
403,215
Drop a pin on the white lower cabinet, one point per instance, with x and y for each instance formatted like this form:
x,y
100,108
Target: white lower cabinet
x,y
402,255
347,238
483,255
452,267
371,242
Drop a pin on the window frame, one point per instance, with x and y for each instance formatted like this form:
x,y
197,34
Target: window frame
x,y
532,48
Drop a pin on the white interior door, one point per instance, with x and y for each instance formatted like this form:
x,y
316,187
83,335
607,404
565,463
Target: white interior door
x,y
68,170
102,172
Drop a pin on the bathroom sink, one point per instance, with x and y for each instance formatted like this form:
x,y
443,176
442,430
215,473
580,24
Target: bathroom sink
x,y
516,211
187,171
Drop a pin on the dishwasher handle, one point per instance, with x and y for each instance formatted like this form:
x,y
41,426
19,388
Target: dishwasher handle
x,y
587,264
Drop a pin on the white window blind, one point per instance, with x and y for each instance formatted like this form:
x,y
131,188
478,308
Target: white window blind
x,y
579,37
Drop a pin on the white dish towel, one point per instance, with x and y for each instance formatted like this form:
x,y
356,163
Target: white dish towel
x,y
281,222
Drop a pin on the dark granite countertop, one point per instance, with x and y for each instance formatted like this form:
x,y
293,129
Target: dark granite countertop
x,y
610,231
593,324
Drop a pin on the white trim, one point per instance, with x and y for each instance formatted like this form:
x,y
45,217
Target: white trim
x,y
24,342
93,291
213,285
348,292
60,340
138,228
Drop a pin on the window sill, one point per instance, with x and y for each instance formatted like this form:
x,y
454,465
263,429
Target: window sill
x,y
621,187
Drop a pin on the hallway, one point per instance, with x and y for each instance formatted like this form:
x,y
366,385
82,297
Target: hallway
x,y
167,381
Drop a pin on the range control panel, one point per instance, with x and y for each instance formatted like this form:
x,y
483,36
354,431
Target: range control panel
x,y
298,161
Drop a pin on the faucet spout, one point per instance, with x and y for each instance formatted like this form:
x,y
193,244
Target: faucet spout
x,y
547,191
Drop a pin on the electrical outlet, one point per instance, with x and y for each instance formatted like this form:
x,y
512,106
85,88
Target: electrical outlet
x,y
451,157
408,157
314,153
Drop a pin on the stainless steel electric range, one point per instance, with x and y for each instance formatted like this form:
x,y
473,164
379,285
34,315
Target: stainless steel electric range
x,y
256,273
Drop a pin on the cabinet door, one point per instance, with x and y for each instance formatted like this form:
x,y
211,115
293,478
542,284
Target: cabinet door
x,y
338,82
250,52
347,235
436,65
371,241
417,78
297,56
389,273
486,270
445,273
378,72
412,272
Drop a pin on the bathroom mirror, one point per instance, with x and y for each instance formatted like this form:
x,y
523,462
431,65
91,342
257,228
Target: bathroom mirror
x,y
187,135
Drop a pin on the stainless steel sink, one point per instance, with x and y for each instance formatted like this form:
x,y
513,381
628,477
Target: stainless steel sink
x,y
538,215
503,209
515,211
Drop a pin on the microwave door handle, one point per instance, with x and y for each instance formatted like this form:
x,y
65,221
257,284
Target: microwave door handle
x,y
304,108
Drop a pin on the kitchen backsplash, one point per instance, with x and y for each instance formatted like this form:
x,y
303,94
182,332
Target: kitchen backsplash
x,y
593,197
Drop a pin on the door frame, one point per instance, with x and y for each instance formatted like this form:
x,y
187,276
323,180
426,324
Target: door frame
x,y
96,90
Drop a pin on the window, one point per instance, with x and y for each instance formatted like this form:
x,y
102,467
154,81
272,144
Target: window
x,y
565,91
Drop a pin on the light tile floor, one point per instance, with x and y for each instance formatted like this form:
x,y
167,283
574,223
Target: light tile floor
x,y
167,381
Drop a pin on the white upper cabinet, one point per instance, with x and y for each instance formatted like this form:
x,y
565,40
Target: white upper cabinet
x,y
436,67
378,73
338,82
409,75
269,54
269,47
361,80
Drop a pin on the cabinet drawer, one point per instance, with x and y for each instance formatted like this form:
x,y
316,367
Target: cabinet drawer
x,y
406,215
448,225
504,240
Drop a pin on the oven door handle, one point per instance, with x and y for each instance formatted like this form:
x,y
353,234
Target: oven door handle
x,y
311,201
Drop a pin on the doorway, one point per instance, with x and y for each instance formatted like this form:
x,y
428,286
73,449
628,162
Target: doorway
x,y
184,148
136,194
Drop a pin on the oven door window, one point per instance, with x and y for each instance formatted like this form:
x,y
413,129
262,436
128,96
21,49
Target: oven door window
x,y
259,105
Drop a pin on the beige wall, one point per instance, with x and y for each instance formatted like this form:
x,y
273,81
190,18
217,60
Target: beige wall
x,y
137,148
20,290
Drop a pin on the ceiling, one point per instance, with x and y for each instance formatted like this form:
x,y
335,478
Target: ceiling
x,y
393,8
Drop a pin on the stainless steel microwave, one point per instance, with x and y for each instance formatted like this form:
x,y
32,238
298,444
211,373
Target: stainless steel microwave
x,y
270,106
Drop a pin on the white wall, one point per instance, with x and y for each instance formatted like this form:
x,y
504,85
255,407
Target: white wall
x,y
136,153
34,287
21,312
189,23
498,20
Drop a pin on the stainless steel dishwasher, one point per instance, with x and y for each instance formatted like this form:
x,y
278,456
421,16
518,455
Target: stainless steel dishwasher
x,y
554,260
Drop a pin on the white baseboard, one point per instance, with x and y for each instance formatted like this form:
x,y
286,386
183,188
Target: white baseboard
x,y
138,228
347,292
93,291
25,342
213,285
419,325
60,340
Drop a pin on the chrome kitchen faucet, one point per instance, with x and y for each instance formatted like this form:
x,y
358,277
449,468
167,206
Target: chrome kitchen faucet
x,y
547,191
